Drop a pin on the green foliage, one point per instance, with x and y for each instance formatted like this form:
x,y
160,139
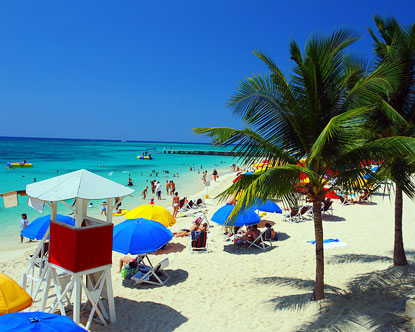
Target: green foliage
x,y
318,114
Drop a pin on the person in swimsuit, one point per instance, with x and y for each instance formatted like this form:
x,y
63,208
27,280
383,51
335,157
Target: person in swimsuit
x,y
173,188
175,204
144,193
167,187
104,208
215,174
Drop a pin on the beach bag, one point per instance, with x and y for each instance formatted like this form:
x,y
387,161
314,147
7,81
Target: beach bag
x,y
128,272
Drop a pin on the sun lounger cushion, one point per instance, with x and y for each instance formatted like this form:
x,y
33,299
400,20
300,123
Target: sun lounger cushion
x,y
139,276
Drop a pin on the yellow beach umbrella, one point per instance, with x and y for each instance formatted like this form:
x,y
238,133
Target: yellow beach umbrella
x,y
13,298
152,212
362,183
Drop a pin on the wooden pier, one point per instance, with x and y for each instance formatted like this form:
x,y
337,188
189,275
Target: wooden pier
x,y
202,152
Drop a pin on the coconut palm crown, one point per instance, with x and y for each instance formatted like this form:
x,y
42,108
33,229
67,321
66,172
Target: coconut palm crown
x,y
397,44
315,115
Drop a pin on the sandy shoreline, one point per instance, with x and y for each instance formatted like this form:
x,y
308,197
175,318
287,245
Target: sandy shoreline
x,y
231,288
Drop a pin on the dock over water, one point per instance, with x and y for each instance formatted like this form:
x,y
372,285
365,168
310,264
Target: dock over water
x,y
202,152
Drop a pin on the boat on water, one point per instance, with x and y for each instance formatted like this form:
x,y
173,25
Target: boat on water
x,y
145,157
19,164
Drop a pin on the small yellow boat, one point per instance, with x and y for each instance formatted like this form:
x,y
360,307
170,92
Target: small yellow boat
x,y
18,164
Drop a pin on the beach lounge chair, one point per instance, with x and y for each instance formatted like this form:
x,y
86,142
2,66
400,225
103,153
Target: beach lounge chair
x,y
326,207
292,215
182,205
344,201
198,242
200,202
153,275
260,241
303,213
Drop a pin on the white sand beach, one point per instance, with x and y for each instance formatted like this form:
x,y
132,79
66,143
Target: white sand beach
x,y
239,289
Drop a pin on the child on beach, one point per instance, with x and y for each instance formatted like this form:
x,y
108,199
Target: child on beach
x,y
23,224
104,208
144,193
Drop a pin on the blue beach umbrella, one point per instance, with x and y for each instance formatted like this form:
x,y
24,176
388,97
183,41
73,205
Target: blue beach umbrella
x,y
268,206
244,218
37,228
37,321
139,236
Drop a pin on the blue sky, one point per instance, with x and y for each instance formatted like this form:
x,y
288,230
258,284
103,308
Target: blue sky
x,y
151,70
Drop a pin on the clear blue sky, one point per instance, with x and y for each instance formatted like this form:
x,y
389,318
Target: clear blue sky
x,y
151,70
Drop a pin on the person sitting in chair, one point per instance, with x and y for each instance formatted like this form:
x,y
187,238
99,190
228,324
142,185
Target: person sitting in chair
x,y
270,234
128,260
195,227
251,234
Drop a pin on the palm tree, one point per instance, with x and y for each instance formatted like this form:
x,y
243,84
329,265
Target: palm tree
x,y
315,115
397,44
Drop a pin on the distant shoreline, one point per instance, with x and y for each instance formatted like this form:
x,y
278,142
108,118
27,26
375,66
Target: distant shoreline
x,y
96,140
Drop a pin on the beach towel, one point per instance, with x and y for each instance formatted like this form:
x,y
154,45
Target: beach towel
x,y
324,241
36,204
10,199
331,243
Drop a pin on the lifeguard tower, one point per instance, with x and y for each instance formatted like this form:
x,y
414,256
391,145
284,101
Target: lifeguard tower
x,y
80,256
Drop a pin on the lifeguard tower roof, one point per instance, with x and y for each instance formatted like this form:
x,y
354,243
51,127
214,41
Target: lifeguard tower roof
x,y
79,184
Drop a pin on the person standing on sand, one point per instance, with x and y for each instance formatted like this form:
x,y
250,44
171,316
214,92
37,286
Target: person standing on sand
x,y
144,193
175,204
167,187
104,208
172,187
23,224
153,186
158,190
215,174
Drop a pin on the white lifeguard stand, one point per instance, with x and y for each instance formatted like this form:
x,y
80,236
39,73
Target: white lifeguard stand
x,y
80,256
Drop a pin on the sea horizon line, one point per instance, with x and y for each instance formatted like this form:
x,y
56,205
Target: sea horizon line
x,y
97,139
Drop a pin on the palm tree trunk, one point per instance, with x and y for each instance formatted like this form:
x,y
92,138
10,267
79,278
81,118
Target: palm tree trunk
x,y
399,257
318,292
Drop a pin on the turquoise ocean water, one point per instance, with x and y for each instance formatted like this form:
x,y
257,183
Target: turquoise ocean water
x,y
112,160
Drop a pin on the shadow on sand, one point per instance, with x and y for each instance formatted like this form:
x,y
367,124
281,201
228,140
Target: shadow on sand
x,y
171,247
282,237
374,301
143,316
176,277
241,250
332,218
356,258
